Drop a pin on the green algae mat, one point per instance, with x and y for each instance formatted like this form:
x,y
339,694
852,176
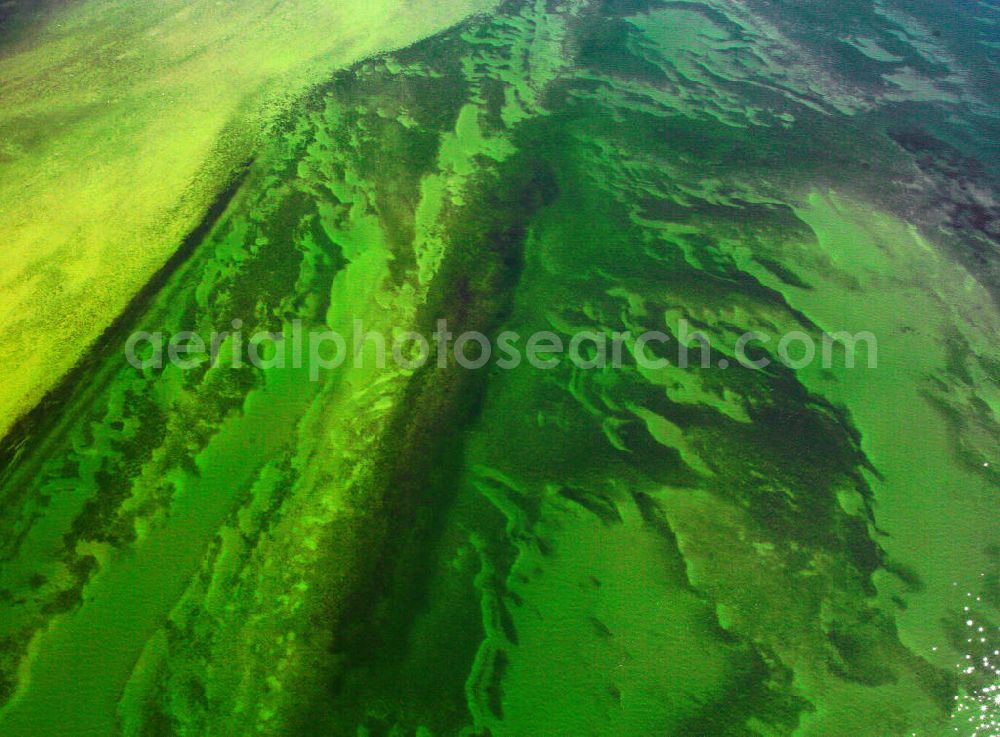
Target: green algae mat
x,y
612,368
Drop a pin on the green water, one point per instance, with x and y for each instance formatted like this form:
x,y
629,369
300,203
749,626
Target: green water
x,y
128,600
627,550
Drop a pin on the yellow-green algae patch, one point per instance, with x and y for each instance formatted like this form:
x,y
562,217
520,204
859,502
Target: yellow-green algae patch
x,y
119,125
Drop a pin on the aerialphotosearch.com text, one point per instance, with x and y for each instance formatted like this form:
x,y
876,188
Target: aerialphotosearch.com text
x,y
327,350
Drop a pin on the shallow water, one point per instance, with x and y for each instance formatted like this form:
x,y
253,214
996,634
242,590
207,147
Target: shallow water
x,y
623,550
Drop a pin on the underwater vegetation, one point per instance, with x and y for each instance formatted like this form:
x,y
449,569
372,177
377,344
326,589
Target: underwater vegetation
x,y
801,550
